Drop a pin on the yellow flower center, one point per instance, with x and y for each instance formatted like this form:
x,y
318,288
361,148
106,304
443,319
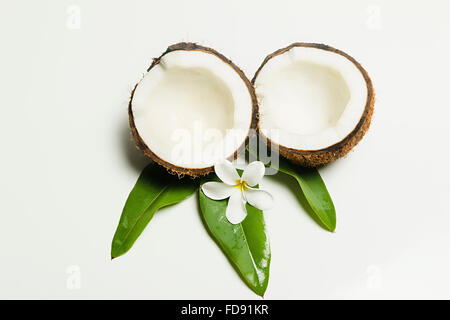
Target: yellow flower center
x,y
241,185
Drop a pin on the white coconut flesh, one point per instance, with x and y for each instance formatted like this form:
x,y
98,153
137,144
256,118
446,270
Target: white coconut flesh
x,y
192,109
309,98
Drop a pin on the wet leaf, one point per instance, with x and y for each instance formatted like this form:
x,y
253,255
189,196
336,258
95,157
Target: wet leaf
x,y
246,244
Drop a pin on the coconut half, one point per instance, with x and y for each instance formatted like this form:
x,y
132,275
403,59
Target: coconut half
x,y
315,102
192,109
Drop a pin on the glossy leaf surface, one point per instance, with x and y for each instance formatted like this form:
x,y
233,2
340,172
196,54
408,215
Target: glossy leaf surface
x,y
315,192
246,244
154,189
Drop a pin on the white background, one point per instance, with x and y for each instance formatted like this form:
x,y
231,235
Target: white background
x,y
68,164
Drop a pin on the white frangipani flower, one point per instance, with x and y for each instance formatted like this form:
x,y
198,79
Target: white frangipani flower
x,y
238,189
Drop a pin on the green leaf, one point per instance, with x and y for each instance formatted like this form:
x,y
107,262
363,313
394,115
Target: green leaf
x,y
313,188
246,244
315,192
154,189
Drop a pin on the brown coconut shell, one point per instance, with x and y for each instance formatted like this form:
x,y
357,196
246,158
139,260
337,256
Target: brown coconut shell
x,y
178,170
314,158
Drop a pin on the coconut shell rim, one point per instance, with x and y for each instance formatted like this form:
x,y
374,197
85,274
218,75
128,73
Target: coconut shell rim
x,y
179,170
365,116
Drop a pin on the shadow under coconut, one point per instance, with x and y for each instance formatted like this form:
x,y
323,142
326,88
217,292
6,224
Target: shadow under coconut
x,y
135,158
290,183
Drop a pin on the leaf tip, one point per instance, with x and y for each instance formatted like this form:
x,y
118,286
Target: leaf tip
x,y
333,228
260,292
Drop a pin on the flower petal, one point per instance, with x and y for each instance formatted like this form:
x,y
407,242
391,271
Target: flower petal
x,y
217,190
254,173
236,211
260,199
227,173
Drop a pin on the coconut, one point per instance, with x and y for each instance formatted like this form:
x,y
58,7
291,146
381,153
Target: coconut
x,y
315,102
192,109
